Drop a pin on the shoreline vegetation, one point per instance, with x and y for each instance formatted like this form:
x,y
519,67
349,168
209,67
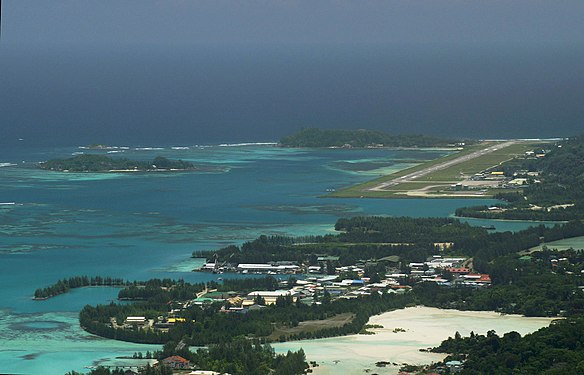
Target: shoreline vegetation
x,y
104,164
65,285
339,138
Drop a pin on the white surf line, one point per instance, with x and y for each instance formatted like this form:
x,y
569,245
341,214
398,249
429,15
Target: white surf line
x,y
437,167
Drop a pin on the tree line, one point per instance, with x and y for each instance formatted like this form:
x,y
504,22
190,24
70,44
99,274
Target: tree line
x,y
64,285
554,350
412,239
312,137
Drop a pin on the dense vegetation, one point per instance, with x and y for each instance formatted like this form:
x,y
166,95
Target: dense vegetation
x,y
558,194
312,137
100,370
243,356
404,229
204,325
63,286
554,350
238,357
361,238
531,287
102,163
412,239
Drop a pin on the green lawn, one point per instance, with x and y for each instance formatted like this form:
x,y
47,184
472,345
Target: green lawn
x,y
338,320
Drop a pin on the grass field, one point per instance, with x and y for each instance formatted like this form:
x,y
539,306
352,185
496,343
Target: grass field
x,y
312,326
436,184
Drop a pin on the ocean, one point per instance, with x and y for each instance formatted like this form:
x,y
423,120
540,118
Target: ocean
x,y
150,94
138,226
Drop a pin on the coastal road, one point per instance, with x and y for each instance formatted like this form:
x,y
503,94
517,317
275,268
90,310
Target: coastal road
x,y
437,167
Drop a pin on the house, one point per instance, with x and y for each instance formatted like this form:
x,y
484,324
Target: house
x,y
267,268
138,320
458,270
176,320
176,362
454,366
327,259
313,269
270,297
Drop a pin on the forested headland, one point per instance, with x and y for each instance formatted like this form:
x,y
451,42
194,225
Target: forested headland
x,y
238,357
312,137
554,350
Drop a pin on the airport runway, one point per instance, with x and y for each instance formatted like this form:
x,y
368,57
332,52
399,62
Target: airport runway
x,y
431,169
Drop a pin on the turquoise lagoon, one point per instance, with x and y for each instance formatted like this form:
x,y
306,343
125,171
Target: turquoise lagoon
x,y
576,243
138,226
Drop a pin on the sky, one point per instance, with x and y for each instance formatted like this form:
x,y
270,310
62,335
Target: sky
x,y
198,71
277,21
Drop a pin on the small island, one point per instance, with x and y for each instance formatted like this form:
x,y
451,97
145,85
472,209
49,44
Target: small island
x,y
362,138
102,163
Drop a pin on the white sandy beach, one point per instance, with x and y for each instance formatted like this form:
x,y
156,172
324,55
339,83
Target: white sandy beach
x,y
424,327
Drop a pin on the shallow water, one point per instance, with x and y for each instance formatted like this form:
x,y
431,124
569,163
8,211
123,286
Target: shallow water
x,y
576,243
423,327
138,226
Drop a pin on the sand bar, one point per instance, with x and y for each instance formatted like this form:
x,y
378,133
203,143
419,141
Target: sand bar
x,y
424,327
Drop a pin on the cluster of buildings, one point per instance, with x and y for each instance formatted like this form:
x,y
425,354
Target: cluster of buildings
x,y
445,271
315,287
178,364
450,272
276,268
495,178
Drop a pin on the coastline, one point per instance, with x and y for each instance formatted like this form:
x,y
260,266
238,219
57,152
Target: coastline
x,y
424,327
511,220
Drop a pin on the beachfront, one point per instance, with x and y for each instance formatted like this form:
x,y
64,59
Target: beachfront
x,y
404,333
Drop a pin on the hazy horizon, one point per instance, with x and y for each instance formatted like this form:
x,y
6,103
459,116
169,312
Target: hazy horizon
x,y
146,72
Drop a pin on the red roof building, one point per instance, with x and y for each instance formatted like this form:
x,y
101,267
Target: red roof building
x,y
176,362
459,271
478,278
485,278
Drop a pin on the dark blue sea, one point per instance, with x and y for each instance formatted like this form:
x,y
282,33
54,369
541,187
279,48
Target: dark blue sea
x,y
204,94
